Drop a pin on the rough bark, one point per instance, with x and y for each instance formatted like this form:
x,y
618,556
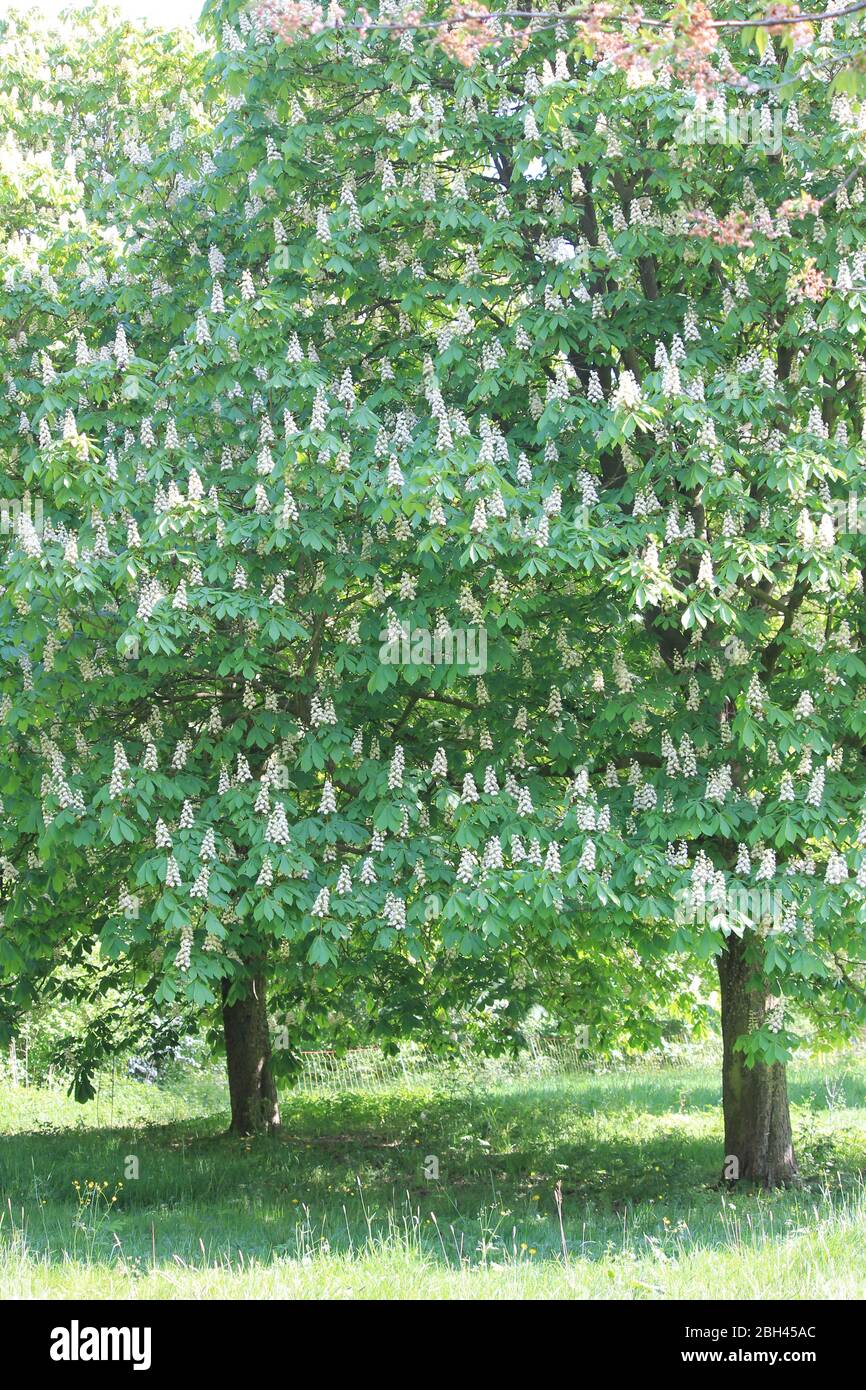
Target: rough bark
x,y
755,1099
252,1091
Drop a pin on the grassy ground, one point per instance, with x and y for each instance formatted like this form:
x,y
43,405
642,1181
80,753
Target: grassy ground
x,y
340,1206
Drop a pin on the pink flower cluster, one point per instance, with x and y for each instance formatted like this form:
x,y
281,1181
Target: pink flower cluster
x,y
733,230
808,283
291,18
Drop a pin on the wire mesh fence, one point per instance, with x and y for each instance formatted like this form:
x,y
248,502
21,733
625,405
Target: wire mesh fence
x,y
364,1069
369,1068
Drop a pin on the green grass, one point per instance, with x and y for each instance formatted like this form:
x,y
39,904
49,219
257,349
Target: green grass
x,y
339,1206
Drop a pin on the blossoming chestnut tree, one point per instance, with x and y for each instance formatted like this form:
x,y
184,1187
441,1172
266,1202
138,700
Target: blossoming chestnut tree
x,y
545,331
81,399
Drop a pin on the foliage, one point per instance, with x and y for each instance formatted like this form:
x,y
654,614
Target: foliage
x,y
359,342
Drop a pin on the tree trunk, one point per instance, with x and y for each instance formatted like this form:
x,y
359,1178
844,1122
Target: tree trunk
x,y
759,1147
253,1094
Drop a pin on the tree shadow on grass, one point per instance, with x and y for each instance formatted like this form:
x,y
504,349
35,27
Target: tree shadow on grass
x,y
352,1169
444,1223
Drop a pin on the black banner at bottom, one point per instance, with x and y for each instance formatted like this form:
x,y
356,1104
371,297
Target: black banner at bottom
x,y
59,1339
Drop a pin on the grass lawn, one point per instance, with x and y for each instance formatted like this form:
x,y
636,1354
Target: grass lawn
x,y
339,1206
